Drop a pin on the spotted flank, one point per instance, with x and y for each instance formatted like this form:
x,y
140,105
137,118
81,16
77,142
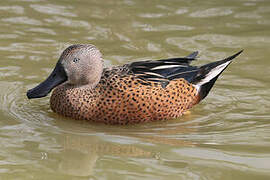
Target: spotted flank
x,y
138,92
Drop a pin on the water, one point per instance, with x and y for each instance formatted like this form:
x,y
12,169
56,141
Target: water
x,y
227,136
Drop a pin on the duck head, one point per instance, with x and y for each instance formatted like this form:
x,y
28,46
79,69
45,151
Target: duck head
x,y
78,65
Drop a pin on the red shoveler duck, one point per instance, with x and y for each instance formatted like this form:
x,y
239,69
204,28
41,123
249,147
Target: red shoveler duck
x,y
137,92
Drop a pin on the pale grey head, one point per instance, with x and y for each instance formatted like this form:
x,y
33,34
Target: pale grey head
x,y
83,64
78,65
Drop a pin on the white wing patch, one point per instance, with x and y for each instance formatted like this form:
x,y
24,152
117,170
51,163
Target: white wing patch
x,y
154,74
212,74
166,67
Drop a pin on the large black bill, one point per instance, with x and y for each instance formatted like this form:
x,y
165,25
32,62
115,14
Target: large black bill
x,y
58,76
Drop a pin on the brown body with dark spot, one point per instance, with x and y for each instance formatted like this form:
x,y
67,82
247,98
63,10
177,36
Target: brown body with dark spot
x,y
137,92
124,100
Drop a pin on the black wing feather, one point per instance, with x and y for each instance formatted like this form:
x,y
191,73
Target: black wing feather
x,y
153,70
165,70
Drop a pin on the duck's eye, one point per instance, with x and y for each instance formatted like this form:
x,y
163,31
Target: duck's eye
x,y
75,60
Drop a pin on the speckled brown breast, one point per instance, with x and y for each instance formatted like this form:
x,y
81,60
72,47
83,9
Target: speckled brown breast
x,y
124,100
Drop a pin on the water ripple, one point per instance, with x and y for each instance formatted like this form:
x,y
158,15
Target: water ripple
x,y
42,30
212,12
12,9
53,9
22,20
152,15
14,101
205,41
68,22
163,27
248,15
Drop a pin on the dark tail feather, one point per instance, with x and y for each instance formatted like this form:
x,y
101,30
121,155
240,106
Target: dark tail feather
x,y
193,55
209,73
205,88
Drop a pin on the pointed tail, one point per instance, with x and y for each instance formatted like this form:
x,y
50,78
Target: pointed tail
x,y
208,74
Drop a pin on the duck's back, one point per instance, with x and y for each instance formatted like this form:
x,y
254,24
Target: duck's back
x,y
125,98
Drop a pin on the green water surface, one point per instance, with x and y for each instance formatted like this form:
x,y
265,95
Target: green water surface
x,y
227,136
